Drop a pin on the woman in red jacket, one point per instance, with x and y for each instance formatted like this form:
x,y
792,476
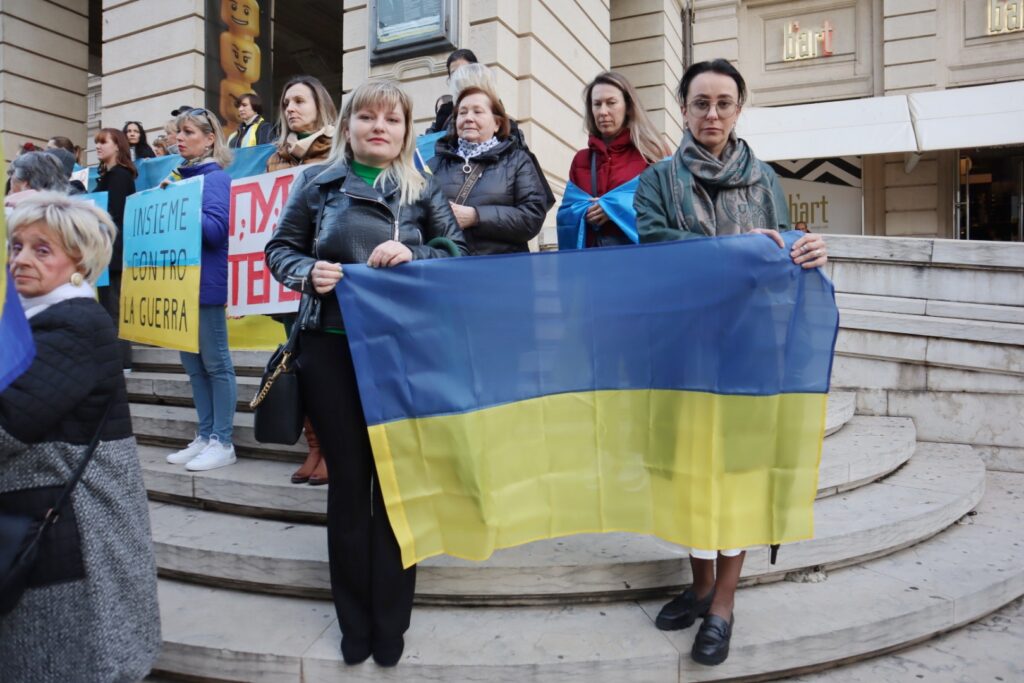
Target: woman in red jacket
x,y
623,143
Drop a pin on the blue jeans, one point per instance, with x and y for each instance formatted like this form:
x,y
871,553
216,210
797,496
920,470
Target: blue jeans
x,y
212,375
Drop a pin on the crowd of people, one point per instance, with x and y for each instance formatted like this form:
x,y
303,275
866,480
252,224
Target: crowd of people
x,y
362,199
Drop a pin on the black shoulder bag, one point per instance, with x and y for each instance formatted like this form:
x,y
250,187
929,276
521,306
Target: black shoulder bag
x,y
23,535
278,411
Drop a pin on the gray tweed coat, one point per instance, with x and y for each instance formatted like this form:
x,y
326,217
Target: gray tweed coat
x,y
103,626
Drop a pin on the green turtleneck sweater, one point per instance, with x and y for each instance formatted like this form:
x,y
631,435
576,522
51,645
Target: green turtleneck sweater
x,y
367,173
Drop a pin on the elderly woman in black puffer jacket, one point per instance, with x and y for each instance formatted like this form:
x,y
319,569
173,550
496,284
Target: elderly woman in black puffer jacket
x,y
495,190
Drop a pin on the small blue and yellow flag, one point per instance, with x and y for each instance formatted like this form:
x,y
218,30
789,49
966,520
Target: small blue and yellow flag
x,y
16,346
673,389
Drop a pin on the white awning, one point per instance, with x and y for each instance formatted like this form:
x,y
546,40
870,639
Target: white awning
x,y
876,125
980,116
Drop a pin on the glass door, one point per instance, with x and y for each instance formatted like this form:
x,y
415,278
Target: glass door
x,y
990,194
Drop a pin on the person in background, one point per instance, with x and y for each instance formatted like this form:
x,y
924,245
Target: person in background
x,y
136,135
61,142
307,117
378,210
444,107
34,172
254,130
67,162
160,145
622,143
171,135
499,203
211,372
730,192
801,226
117,176
91,612
306,120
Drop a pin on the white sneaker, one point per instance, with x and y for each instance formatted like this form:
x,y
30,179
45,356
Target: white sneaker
x,y
188,452
216,454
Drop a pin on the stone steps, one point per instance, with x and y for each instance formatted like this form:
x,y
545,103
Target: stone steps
x,y
959,575
175,426
169,420
174,389
935,488
865,449
155,359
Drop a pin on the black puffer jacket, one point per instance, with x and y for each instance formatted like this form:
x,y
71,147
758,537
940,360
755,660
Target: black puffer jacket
x,y
509,197
75,374
356,218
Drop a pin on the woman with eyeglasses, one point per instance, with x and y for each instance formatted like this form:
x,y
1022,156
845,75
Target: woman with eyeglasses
x,y
367,205
714,185
622,144
136,135
210,372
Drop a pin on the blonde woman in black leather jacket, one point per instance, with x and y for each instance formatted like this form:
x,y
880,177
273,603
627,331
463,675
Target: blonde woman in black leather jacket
x,y
376,209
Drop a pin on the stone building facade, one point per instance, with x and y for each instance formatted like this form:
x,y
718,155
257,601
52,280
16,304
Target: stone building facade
x,y
828,58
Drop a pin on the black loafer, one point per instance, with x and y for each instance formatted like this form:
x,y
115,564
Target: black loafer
x,y
711,646
683,610
355,650
387,651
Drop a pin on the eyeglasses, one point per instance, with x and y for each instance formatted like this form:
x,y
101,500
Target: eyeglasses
x,y
199,111
701,107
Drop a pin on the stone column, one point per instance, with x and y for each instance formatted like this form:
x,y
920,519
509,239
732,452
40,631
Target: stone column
x,y
647,48
44,58
153,60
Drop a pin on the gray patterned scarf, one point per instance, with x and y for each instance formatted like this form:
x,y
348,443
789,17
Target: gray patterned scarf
x,y
740,196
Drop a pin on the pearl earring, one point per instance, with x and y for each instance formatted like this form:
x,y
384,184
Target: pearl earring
x,y
77,279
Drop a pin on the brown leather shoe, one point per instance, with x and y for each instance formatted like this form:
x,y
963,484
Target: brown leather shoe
x,y
314,458
319,476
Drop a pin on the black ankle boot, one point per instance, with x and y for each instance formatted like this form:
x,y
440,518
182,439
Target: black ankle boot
x,y
683,610
355,650
711,646
387,651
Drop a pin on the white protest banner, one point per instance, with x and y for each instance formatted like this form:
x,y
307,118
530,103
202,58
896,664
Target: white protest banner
x,y
256,206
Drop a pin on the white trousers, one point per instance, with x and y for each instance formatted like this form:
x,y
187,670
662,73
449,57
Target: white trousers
x,y
713,554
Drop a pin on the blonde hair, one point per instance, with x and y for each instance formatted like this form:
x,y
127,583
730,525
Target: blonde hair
x,y
472,76
642,132
383,94
86,233
207,122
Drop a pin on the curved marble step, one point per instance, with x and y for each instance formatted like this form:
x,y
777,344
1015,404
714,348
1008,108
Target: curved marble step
x,y
924,497
155,359
166,418
963,573
866,449
175,426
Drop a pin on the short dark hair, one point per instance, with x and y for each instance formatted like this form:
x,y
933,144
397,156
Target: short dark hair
x,y
461,53
255,101
718,66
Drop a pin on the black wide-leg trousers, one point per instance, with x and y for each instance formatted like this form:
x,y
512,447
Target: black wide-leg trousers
x,y
372,593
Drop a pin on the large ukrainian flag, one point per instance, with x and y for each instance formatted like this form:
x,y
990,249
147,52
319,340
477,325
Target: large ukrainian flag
x,y
675,389
16,346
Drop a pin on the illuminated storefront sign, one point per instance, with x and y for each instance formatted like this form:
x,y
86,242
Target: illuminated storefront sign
x,y
808,44
1005,16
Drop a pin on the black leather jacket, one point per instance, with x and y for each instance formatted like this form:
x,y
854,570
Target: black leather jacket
x,y
509,197
354,219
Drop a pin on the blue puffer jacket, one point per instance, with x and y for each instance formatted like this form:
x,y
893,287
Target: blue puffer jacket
x,y
213,281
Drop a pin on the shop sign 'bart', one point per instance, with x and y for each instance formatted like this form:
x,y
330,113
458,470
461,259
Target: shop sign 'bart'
x,y
809,44
1005,16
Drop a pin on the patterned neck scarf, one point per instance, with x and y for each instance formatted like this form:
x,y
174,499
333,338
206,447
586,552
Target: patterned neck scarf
x,y
740,197
468,150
